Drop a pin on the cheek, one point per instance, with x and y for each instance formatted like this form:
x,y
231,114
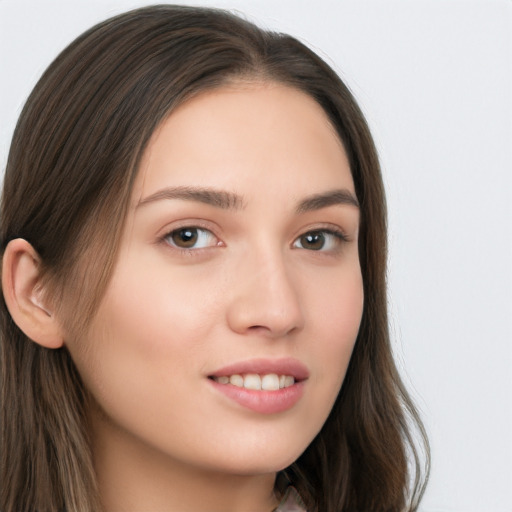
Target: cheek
x,y
146,333
158,310
336,317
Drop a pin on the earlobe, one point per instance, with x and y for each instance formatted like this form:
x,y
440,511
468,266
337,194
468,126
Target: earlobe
x,y
24,296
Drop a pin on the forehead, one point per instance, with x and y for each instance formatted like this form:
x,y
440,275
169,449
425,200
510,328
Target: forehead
x,y
243,135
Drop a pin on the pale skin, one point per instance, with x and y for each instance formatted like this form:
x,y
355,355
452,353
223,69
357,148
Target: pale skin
x,y
253,187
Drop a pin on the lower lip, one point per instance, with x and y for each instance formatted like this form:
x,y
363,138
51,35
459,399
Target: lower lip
x,y
263,402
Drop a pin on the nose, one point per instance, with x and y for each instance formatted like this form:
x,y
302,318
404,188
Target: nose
x,y
265,300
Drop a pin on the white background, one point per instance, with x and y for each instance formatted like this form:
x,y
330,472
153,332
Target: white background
x,y
435,81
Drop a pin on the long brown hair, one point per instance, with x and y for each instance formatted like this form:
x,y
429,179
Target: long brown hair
x,y
70,170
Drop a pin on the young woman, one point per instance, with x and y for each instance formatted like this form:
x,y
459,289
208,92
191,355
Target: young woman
x,y
193,270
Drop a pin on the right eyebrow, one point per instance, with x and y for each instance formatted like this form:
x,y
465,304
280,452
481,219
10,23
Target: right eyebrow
x,y
326,199
213,197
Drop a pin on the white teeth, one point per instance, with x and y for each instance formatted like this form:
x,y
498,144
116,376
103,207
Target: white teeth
x,y
270,382
288,381
252,381
237,380
267,382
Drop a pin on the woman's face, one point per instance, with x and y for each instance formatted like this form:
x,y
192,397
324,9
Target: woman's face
x,y
238,268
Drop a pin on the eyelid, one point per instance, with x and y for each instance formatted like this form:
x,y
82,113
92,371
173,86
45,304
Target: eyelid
x,y
327,227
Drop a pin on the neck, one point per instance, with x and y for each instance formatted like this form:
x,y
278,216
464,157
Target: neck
x,y
134,476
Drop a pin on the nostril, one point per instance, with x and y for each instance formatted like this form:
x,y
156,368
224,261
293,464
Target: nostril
x,y
256,328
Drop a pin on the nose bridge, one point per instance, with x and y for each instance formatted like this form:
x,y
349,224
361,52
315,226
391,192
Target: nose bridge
x,y
266,297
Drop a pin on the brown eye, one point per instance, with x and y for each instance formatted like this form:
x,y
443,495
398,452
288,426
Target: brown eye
x,y
313,241
191,238
321,240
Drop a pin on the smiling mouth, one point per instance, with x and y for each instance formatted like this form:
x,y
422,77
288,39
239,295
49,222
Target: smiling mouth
x,y
256,382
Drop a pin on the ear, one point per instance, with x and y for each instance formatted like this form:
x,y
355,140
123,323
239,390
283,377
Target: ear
x,y
24,297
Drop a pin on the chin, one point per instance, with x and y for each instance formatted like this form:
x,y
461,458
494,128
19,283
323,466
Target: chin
x,y
259,462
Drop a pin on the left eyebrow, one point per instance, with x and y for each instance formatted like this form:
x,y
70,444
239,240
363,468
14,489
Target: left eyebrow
x,y
218,198
330,198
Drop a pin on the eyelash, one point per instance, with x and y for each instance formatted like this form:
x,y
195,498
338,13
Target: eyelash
x,y
335,236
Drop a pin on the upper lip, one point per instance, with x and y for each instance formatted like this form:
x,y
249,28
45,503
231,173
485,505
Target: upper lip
x,y
284,366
